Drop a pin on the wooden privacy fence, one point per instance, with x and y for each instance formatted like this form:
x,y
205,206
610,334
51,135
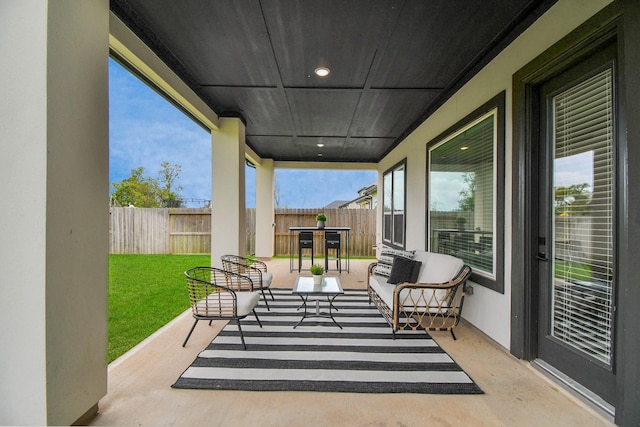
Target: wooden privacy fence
x,y
362,222
160,231
188,230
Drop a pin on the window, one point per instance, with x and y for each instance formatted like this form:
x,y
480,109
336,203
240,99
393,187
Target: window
x,y
465,193
393,202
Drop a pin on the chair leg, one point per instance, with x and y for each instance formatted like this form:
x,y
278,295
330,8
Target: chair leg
x,y
190,332
272,298
300,257
264,297
257,318
241,334
453,335
326,257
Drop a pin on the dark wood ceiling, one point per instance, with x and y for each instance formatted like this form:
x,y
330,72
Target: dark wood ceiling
x,y
392,62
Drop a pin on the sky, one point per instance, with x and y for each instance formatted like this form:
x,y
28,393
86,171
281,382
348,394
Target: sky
x,y
146,130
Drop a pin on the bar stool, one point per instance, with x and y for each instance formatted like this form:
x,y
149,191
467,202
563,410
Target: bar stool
x,y
332,241
305,241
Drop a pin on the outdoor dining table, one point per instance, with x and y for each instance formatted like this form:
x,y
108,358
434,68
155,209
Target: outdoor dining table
x,y
293,231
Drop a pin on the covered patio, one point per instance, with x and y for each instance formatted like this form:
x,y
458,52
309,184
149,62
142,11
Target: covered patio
x,y
406,81
515,393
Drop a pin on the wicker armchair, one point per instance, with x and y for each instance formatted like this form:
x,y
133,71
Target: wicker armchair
x,y
220,295
254,269
434,306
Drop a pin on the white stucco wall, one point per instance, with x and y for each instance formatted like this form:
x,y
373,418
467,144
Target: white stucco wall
x,y
228,204
265,215
488,310
54,222
77,221
23,164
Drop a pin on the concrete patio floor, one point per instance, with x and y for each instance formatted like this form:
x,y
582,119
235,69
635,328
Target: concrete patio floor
x,y
516,394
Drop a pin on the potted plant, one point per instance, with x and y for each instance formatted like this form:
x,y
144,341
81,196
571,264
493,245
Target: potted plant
x,y
460,222
317,270
321,218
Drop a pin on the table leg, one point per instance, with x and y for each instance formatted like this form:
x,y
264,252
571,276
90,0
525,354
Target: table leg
x,y
330,313
318,313
304,315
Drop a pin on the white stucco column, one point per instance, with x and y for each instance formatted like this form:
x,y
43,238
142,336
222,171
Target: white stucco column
x,y
228,206
265,215
54,186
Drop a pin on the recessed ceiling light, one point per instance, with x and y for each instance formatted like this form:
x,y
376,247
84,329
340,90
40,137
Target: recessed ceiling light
x,y
464,148
320,144
322,71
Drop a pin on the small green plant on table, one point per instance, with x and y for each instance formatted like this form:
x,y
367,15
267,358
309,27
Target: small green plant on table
x,y
317,269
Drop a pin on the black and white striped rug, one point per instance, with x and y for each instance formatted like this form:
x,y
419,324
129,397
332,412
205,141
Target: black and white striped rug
x,y
318,356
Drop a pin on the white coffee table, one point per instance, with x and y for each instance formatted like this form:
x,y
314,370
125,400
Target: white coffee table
x,y
330,288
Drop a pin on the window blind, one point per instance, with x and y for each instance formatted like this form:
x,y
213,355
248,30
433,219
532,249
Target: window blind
x,y
583,174
462,188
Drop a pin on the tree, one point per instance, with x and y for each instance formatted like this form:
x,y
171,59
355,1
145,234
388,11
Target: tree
x,y
168,176
276,191
136,190
144,192
573,200
467,201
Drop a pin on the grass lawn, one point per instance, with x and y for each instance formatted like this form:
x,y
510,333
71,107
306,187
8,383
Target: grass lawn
x,y
145,293
572,271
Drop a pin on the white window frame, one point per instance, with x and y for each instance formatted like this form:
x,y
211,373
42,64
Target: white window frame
x,y
493,279
395,235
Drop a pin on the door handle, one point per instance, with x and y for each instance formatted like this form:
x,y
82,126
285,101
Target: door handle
x,y
542,256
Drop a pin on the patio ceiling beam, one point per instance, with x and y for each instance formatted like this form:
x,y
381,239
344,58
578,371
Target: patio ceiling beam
x,y
326,165
252,156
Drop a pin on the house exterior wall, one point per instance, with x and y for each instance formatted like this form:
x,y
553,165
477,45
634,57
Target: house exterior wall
x,y
351,205
54,175
77,182
561,19
23,163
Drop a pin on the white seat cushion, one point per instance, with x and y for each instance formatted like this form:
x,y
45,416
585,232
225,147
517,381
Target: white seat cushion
x,y
423,257
438,268
267,278
384,289
246,302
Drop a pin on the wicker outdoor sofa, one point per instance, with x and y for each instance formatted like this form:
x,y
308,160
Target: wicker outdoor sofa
x,y
418,289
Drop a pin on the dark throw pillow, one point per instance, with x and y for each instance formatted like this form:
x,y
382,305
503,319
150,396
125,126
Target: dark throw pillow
x,y
385,260
404,270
